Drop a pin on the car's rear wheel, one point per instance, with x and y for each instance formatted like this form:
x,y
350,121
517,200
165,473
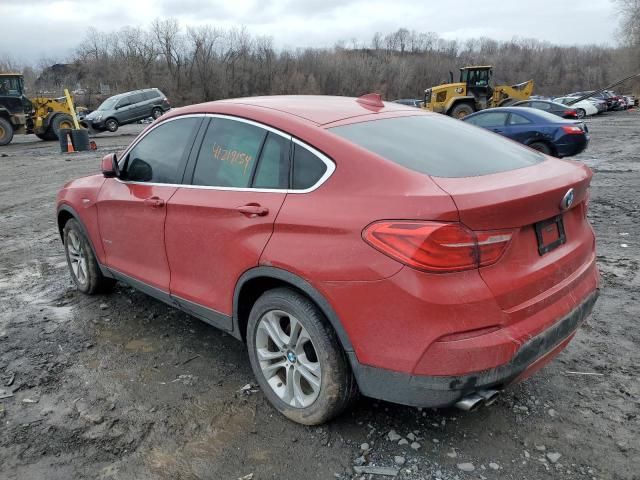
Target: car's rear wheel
x,y
82,263
541,147
581,113
111,124
157,113
297,359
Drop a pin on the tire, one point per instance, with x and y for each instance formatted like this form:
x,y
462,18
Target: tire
x,y
111,124
581,112
541,147
80,140
325,363
61,121
82,264
461,110
156,113
47,136
6,132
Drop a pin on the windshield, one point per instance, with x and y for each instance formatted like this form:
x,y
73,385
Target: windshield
x,y
10,86
108,104
439,146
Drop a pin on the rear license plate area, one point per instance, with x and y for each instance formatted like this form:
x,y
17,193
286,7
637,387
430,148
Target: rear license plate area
x,y
550,234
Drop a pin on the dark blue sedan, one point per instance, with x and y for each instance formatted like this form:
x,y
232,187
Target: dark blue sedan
x,y
539,130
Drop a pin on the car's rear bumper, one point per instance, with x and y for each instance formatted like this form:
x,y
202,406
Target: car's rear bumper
x,y
441,391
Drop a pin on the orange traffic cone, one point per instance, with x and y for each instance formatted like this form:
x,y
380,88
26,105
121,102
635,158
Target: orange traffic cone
x,y
70,148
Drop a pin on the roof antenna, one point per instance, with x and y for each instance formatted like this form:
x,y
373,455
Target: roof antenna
x,y
371,100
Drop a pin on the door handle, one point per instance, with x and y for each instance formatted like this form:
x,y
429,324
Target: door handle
x,y
253,210
154,202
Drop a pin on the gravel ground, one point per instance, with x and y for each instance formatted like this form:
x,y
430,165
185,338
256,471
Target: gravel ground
x,y
122,386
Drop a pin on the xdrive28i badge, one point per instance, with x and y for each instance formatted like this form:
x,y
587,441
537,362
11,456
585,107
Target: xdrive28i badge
x,y
567,200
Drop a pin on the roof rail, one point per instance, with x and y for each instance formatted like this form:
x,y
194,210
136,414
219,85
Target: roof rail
x,y
371,99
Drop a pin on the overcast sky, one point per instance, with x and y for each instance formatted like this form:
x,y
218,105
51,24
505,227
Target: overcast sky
x,y
36,29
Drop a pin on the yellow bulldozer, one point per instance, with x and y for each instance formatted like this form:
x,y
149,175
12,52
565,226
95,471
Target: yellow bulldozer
x,y
18,114
474,91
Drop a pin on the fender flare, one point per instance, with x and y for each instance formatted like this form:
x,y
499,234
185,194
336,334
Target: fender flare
x,y
302,285
71,211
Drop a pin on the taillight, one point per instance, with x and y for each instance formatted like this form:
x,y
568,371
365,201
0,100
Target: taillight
x,y
435,246
570,113
571,130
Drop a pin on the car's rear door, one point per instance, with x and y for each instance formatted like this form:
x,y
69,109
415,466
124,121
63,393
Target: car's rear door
x,y
217,228
521,129
132,209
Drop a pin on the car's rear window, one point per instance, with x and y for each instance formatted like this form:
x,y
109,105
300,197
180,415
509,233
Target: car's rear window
x,y
438,145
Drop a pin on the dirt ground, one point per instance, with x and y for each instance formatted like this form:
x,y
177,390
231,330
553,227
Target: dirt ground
x,y
123,387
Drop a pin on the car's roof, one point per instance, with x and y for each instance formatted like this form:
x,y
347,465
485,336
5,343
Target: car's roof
x,y
540,101
532,113
118,95
319,109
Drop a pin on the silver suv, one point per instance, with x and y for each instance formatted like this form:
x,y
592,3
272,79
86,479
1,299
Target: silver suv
x,y
127,108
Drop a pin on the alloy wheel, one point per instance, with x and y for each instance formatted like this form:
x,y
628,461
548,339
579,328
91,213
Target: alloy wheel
x,y
288,359
77,257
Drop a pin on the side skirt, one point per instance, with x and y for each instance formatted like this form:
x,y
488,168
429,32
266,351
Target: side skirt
x,y
207,315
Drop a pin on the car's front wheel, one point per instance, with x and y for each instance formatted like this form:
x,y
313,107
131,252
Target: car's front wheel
x,y
297,359
82,263
111,124
581,113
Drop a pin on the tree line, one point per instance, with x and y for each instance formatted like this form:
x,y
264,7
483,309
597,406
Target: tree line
x,y
204,63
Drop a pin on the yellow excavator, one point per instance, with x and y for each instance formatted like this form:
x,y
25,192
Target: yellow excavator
x,y
474,91
18,114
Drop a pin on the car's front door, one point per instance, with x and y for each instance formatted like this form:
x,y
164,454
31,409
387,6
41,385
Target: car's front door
x,y
139,107
123,109
217,228
132,208
494,121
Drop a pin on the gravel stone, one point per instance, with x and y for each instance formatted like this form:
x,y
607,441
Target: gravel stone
x,y
553,457
466,467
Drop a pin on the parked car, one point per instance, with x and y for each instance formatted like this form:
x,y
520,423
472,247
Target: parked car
x,y
611,103
352,244
542,131
631,100
552,107
126,108
412,102
583,108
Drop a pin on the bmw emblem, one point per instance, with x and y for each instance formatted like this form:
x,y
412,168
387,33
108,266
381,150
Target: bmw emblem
x,y
567,200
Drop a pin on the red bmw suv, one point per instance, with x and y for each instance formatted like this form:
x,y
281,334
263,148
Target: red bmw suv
x,y
354,245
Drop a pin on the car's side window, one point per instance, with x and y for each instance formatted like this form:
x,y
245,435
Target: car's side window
x,y
307,168
489,119
273,167
124,101
541,106
516,119
158,155
136,98
228,154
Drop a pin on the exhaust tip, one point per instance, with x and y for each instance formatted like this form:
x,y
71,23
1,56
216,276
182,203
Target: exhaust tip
x,y
470,402
489,396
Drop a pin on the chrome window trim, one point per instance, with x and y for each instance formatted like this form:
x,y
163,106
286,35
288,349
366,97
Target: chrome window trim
x,y
331,166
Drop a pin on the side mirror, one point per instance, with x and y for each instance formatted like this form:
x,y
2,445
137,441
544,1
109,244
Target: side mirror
x,y
109,166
